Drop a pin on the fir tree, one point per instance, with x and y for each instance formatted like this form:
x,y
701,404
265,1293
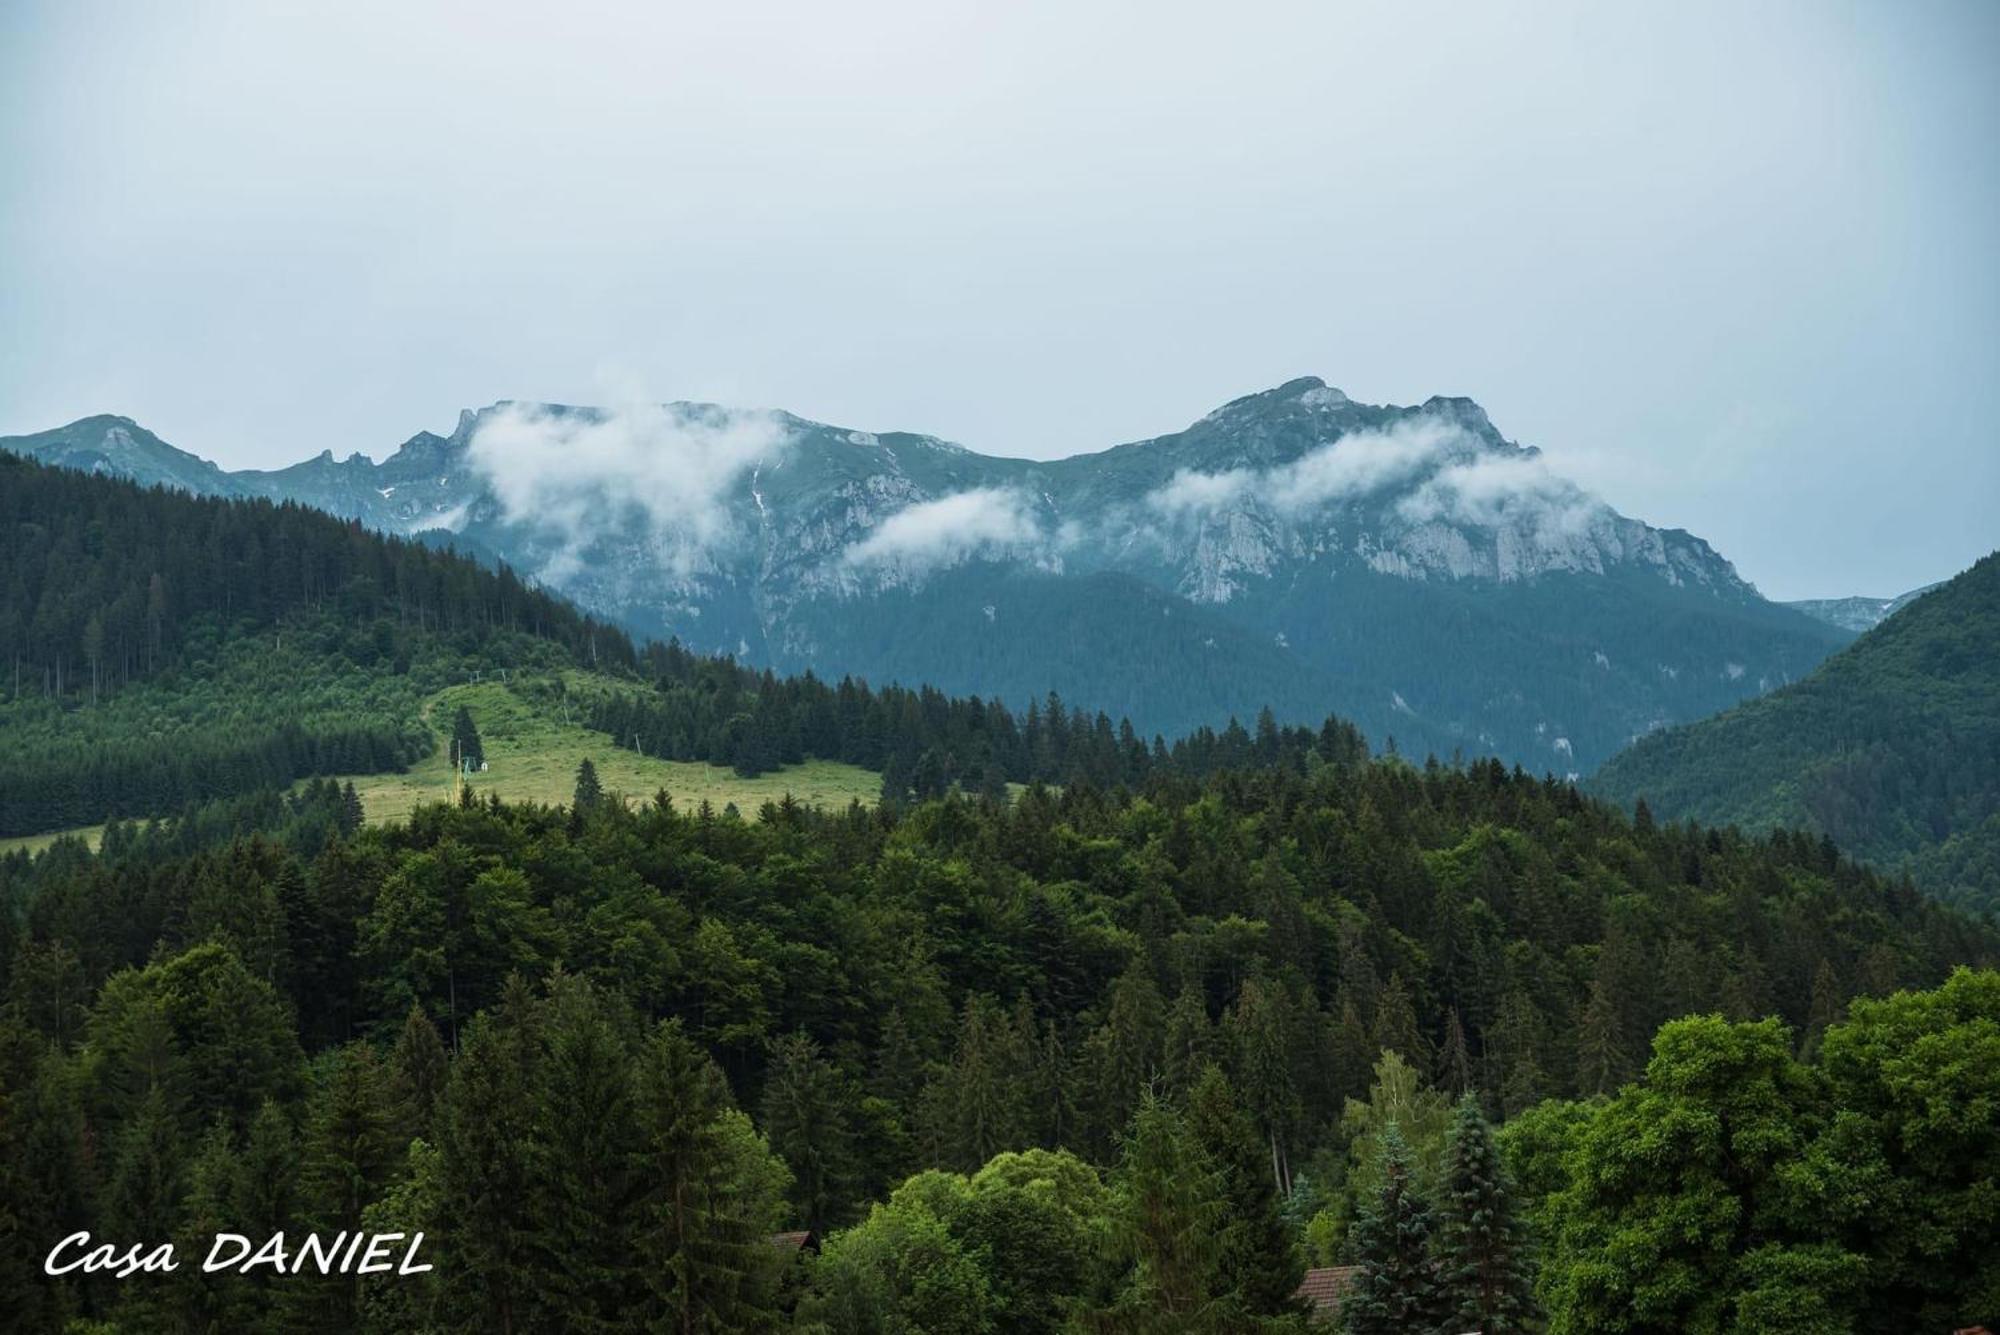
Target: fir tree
x,y
1396,1292
1454,1063
704,1253
351,813
1482,1245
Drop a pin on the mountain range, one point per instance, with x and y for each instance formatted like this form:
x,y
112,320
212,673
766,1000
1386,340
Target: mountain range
x,y
1407,567
1859,613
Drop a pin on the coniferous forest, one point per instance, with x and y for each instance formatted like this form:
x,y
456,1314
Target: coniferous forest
x,y
1071,1032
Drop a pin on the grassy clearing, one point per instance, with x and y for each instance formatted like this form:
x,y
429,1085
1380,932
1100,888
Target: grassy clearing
x,y
35,843
532,756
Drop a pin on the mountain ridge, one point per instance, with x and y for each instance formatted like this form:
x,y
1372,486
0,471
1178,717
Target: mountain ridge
x,y
1337,534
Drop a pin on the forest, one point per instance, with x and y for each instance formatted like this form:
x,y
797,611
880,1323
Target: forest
x,y
1118,1058
163,650
1072,1031
1891,747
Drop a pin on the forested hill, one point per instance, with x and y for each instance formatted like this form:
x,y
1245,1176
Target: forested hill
x,y
1892,747
163,649
1099,1055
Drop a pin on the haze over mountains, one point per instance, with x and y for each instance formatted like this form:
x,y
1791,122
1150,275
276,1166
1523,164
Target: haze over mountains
x,y
1408,567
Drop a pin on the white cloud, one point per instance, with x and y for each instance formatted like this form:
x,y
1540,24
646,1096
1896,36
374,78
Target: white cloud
x,y
939,532
579,472
1353,465
1504,491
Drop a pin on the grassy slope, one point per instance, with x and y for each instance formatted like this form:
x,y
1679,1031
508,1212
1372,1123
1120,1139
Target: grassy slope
x,y
532,755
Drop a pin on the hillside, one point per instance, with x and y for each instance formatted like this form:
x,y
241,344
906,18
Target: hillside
x,y
1408,568
987,1019
1892,747
169,650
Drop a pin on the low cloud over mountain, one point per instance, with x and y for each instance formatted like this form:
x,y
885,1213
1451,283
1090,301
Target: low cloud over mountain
x,y
1407,566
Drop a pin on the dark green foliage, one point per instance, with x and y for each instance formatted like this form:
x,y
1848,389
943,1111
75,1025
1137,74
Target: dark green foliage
x,y
466,748
589,792
132,619
1397,1289
1259,1259
924,742
1891,748
806,1114
533,1032
1484,1273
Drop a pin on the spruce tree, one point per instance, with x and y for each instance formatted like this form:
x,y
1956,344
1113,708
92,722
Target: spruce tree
x,y
1172,1209
418,1069
466,746
1482,1244
1259,1260
705,1256
589,792
807,1116
1397,1290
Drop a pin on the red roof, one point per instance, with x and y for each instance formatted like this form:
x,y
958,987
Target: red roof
x,y
1324,1286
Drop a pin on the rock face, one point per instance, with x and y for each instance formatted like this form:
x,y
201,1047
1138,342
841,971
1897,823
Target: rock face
x,y
1860,613
1409,568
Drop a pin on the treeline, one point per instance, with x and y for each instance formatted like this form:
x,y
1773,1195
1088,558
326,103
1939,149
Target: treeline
x,y
597,1052
923,741
105,579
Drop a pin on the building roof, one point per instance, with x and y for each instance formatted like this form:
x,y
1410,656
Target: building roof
x,y
804,1240
1323,1287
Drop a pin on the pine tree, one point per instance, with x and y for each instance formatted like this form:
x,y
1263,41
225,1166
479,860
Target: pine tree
x,y
1482,1245
1172,1208
585,1174
1191,1043
267,1175
1601,1064
1396,1024
1396,1291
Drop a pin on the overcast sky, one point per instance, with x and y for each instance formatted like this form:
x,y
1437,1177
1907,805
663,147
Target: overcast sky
x,y
1731,265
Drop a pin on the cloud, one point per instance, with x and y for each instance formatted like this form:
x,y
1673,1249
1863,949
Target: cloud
x,y
939,532
581,472
1354,465
1504,491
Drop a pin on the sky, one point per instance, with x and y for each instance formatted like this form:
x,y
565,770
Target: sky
x,y
1732,266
